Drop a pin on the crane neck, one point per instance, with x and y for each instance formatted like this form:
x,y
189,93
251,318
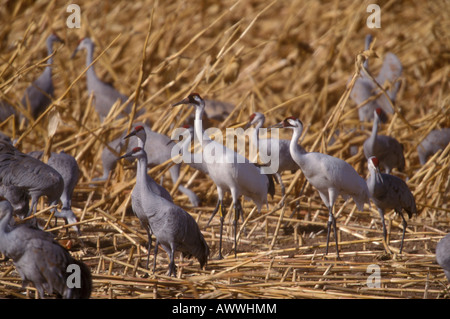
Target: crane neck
x,y
373,136
141,170
89,58
198,123
293,146
49,53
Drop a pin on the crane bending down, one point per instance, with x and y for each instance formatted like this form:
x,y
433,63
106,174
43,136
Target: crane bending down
x,y
364,87
22,175
40,260
158,148
105,95
229,171
331,176
136,195
390,192
172,226
67,166
285,161
443,255
386,149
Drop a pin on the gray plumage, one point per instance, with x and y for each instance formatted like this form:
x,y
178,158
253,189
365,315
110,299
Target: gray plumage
x,y
24,173
230,171
6,110
105,95
364,87
158,148
389,192
174,229
436,140
266,146
443,255
40,260
40,93
67,166
386,148
330,175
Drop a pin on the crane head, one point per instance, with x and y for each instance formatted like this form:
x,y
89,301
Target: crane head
x,y
374,165
135,152
139,131
256,117
82,44
193,98
381,114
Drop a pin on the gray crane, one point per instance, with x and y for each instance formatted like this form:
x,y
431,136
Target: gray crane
x,y
136,195
158,148
285,161
443,255
389,192
436,140
229,171
40,260
66,165
105,95
174,229
40,93
331,176
23,173
364,87
386,148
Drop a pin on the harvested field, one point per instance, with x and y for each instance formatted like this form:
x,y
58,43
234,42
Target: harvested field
x,y
283,58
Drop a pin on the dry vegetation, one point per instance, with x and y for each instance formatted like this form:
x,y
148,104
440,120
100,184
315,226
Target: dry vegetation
x,y
283,58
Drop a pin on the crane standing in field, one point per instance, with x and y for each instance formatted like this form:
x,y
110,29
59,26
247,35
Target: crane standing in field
x,y
386,148
434,141
40,260
229,171
389,192
331,176
285,161
172,226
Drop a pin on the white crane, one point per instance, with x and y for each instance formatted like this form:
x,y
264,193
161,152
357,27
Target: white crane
x,y
40,260
285,161
331,176
389,192
364,87
105,95
229,171
172,226
386,148
436,140
443,255
158,148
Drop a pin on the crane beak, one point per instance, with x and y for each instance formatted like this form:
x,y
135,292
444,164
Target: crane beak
x,y
278,125
183,101
249,123
74,53
126,155
132,133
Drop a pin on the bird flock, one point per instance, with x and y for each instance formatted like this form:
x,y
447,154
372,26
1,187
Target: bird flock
x,y
42,261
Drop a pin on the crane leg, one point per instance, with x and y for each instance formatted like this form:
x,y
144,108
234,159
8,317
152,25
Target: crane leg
x,y
383,222
237,212
172,262
149,247
216,209
404,224
155,254
332,221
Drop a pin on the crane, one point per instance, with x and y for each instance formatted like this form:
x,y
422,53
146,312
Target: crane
x,y
434,141
389,192
105,95
38,95
66,165
229,171
172,226
158,148
443,255
386,149
29,176
285,161
364,87
40,260
330,175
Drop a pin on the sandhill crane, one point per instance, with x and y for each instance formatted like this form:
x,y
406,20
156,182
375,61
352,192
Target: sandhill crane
x,y
229,171
443,255
158,148
40,260
105,95
331,176
66,165
285,161
386,149
23,173
39,94
172,226
435,140
364,87
389,192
